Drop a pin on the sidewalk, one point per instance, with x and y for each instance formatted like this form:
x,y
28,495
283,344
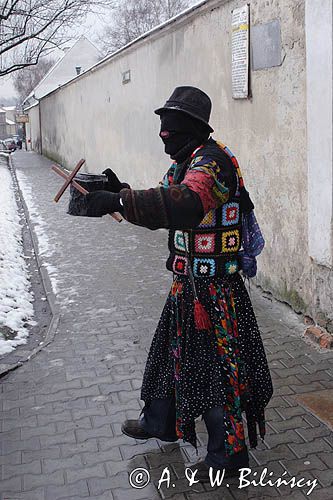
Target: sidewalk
x,y
62,411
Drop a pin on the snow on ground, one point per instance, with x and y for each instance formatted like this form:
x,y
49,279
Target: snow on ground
x,y
44,247
16,309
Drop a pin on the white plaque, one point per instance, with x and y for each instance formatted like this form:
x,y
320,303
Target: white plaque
x,y
240,52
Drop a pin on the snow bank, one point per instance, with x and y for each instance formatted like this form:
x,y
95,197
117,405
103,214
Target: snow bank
x,y
16,309
40,228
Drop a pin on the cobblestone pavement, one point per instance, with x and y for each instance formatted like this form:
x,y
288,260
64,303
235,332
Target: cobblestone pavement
x,y
62,411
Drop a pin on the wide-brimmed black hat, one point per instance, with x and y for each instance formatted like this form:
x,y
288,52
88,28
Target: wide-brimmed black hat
x,y
189,100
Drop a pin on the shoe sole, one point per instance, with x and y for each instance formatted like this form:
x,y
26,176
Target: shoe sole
x,y
168,440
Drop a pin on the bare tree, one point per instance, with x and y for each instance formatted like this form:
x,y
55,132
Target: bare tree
x,y
26,79
31,28
132,18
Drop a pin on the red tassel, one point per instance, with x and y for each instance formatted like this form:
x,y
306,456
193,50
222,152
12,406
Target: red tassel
x,y
201,318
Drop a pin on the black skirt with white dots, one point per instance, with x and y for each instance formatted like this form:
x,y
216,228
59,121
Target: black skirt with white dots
x,y
223,366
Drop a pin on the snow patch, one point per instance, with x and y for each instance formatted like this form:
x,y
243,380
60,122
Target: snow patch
x,y
16,309
40,228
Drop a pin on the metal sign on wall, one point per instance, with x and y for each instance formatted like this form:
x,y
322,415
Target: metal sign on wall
x,y
240,52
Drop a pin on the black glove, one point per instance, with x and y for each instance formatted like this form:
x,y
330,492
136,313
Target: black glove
x,y
114,185
100,203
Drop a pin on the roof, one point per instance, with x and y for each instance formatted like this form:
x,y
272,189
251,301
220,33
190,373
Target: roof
x,y
31,105
51,70
9,122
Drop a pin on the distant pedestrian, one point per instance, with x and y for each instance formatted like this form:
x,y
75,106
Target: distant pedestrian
x,y
207,356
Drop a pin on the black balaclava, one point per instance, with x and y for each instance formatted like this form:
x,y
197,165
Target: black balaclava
x,y
181,134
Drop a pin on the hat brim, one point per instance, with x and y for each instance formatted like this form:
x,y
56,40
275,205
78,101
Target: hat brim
x,y
159,111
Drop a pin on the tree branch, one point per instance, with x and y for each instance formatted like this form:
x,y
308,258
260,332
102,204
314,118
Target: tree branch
x,y
11,10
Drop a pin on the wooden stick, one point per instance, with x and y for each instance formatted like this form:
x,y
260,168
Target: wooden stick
x,y
65,176
69,180
116,216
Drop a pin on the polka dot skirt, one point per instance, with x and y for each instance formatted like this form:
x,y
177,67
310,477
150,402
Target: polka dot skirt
x,y
223,367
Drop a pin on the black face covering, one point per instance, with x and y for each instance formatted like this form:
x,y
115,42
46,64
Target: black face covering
x,y
180,133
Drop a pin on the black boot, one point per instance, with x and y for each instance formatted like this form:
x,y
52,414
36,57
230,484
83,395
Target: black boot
x,y
134,429
158,421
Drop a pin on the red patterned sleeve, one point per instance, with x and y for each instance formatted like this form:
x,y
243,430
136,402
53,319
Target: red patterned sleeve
x,y
202,183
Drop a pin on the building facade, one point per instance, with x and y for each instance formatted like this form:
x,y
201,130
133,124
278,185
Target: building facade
x,y
82,55
8,125
3,124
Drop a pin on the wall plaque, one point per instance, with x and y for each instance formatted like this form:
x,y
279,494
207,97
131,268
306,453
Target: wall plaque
x,y
240,52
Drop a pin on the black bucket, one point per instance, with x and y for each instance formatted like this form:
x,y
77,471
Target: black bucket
x,y
90,182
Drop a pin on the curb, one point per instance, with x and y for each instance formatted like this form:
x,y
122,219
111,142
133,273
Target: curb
x,y
46,282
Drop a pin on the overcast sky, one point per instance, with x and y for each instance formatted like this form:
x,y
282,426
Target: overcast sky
x,y
7,90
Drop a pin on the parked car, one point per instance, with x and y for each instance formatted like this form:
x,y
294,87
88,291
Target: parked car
x,y
4,147
11,144
16,138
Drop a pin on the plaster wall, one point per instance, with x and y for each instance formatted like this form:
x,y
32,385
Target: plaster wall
x,y
109,123
11,129
33,129
318,26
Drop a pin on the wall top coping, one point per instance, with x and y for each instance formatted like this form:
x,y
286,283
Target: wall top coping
x,y
180,18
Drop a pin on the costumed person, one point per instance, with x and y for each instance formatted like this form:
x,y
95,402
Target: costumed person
x,y
207,357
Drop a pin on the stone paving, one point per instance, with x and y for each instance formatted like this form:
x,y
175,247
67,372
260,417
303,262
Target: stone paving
x,y
62,410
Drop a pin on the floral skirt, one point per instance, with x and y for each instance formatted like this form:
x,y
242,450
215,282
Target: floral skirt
x,y
225,366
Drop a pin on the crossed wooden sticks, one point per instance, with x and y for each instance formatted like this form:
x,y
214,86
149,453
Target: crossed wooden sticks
x,y
70,180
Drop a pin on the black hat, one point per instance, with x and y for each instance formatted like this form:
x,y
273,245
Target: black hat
x,y
189,100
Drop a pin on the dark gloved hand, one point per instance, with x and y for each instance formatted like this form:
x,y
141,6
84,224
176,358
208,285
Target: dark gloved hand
x,y
100,203
114,185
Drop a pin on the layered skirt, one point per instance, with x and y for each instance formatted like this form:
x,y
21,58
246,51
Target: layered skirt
x,y
224,366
